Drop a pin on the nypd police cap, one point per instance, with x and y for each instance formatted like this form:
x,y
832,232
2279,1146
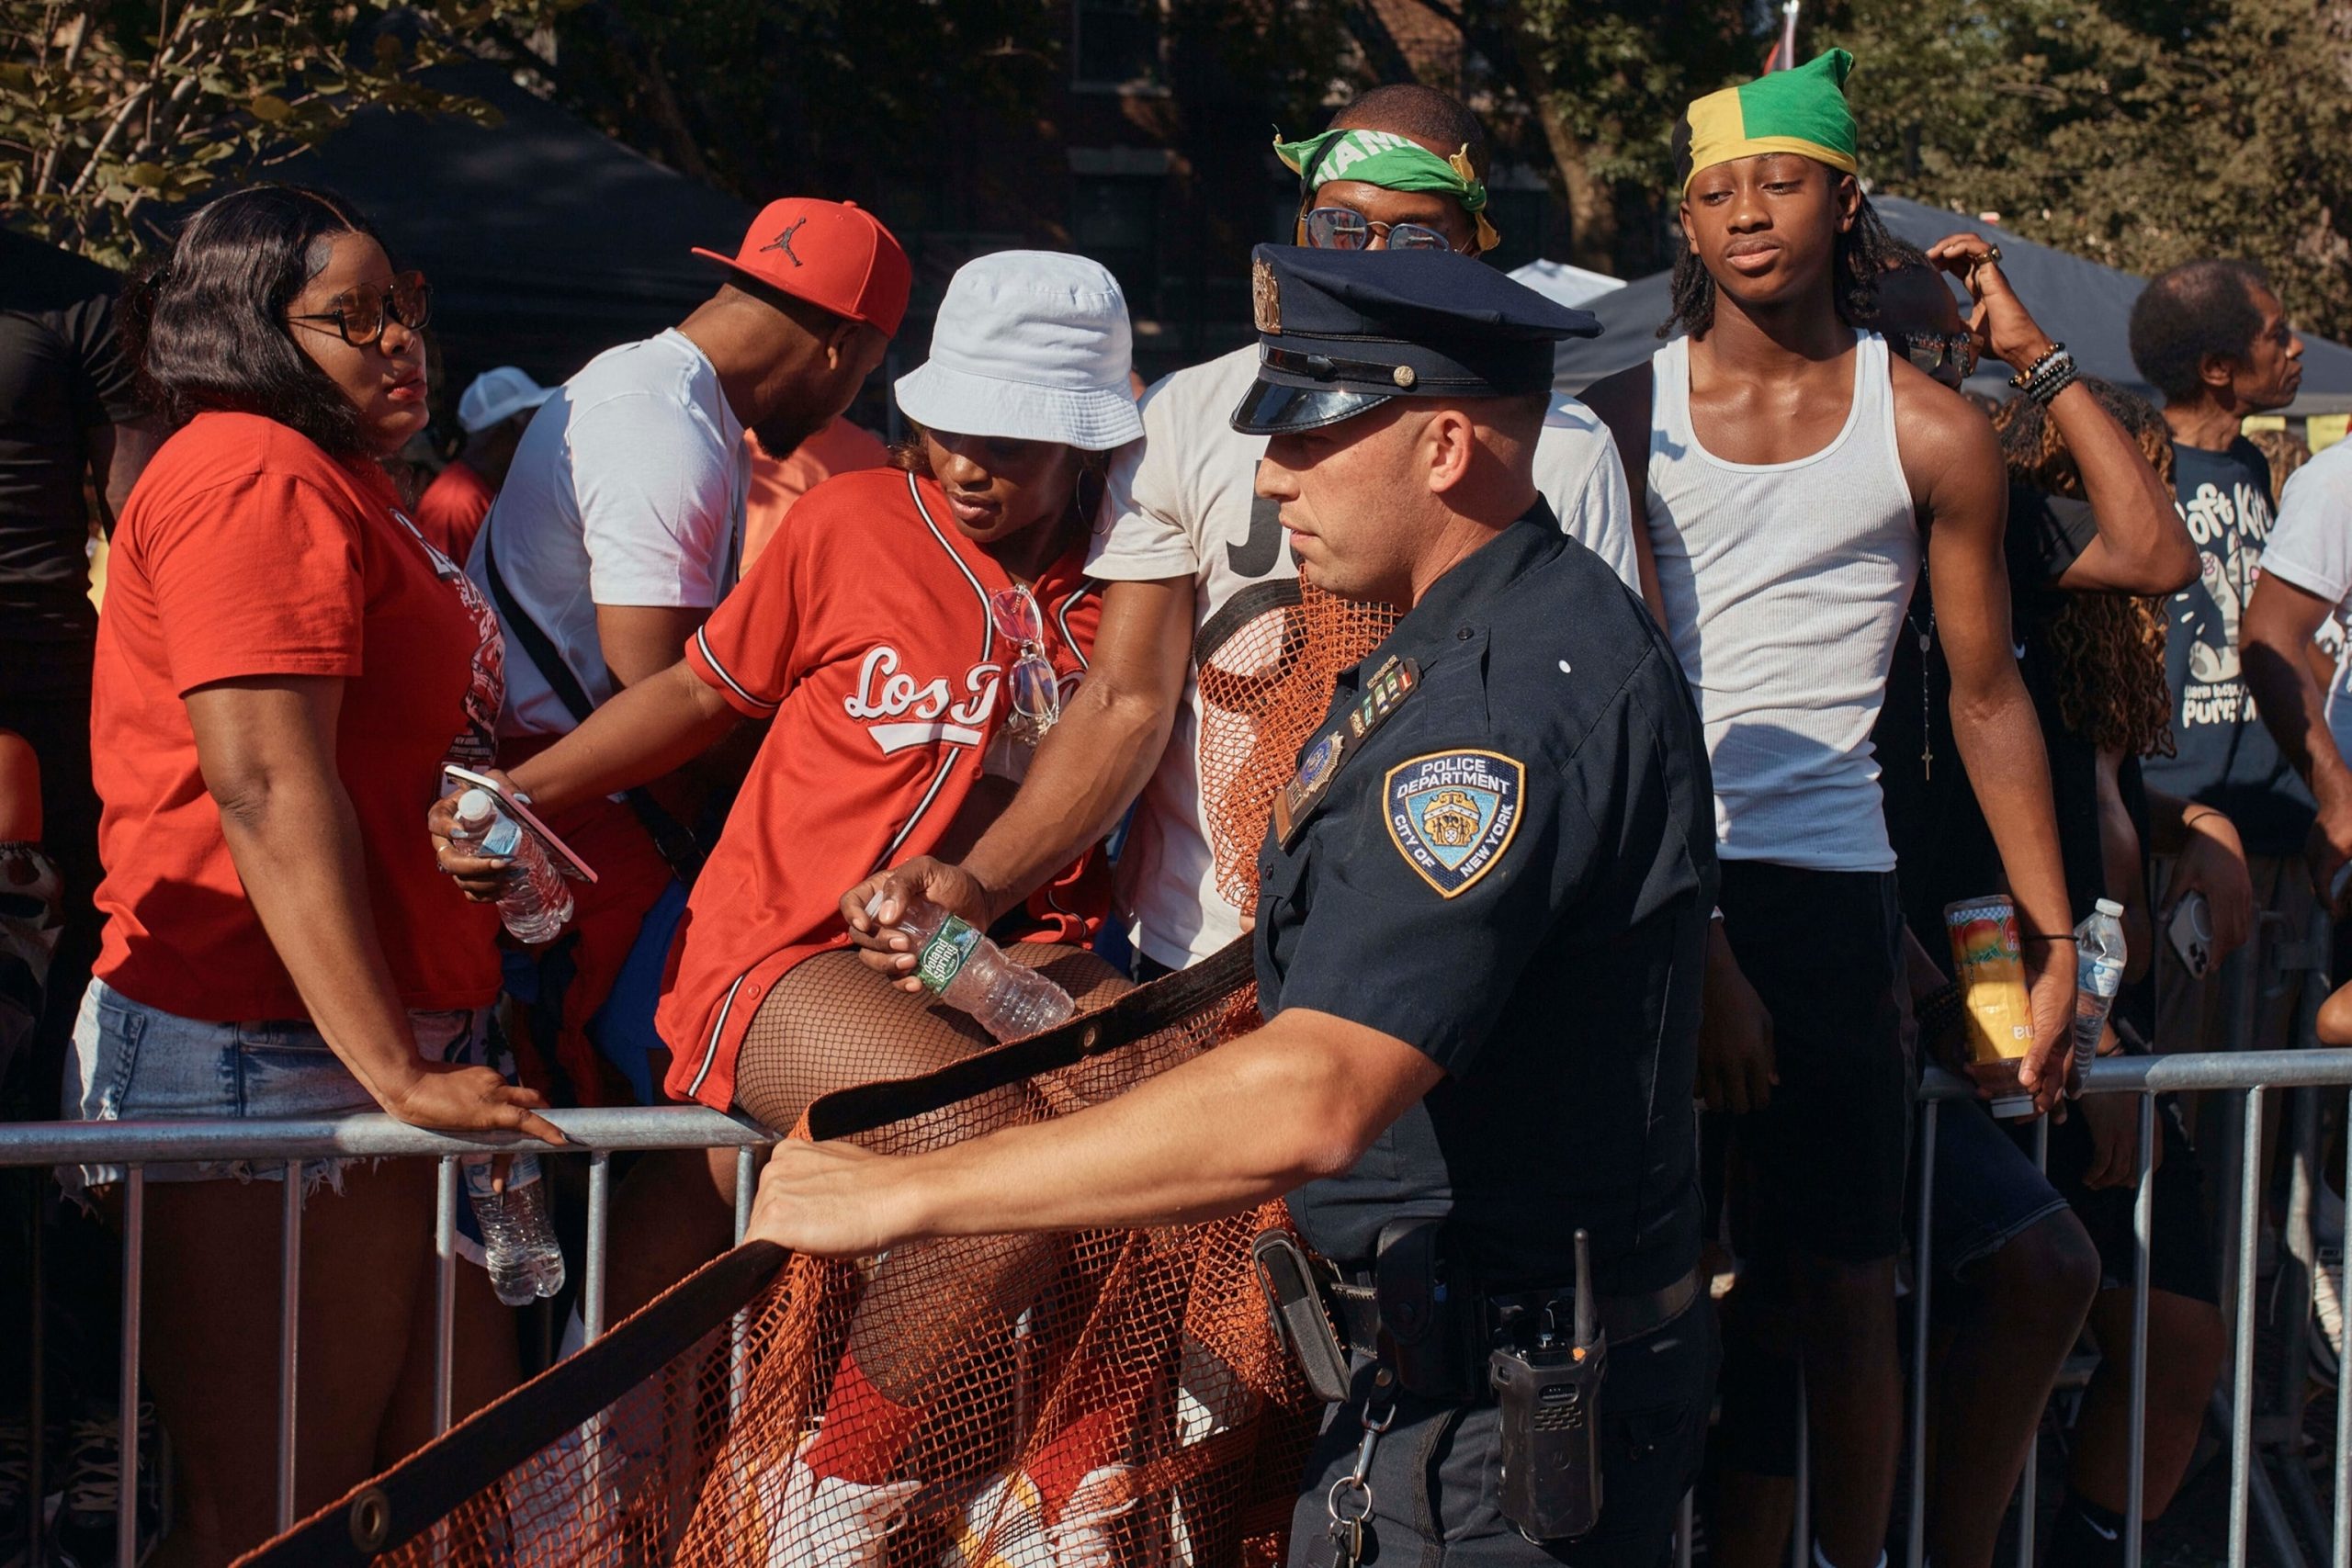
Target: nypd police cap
x,y
1342,332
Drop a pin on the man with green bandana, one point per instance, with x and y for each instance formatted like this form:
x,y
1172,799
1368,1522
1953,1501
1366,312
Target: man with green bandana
x,y
1790,474
1195,565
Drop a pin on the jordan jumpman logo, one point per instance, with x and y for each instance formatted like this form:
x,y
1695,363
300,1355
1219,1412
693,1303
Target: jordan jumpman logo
x,y
784,242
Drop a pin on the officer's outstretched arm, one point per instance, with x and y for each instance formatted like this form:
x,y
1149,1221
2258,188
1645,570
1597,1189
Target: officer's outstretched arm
x,y
1301,1099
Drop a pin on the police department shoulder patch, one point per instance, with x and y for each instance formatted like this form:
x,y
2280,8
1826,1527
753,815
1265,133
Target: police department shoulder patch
x,y
1453,813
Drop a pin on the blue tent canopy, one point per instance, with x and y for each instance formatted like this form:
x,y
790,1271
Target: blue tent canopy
x,y
2084,303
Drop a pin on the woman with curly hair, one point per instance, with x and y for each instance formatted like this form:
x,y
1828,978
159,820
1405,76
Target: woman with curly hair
x,y
2092,538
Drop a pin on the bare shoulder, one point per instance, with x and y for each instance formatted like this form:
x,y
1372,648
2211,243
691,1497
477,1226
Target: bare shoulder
x,y
1621,403
1941,436
1622,396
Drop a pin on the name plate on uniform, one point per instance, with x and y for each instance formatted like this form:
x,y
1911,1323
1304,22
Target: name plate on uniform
x,y
1383,694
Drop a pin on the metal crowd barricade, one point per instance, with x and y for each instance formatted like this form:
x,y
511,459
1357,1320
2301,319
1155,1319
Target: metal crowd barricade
x,y
2304,1073
596,1135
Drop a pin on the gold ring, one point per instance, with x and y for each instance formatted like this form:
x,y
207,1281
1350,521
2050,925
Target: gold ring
x,y
1992,254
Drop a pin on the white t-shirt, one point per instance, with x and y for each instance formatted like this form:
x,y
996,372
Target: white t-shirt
x,y
1183,502
627,488
2311,547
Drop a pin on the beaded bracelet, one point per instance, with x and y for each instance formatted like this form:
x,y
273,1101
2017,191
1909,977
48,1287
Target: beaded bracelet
x,y
1940,1012
2026,376
2045,385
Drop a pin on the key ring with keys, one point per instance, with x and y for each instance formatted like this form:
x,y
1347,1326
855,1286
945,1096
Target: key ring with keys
x,y
1346,1528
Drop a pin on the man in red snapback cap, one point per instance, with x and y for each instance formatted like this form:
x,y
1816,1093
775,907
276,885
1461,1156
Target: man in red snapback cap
x,y
620,527
832,254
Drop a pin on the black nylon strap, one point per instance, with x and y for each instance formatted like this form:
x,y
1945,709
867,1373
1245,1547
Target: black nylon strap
x,y
1274,593
670,837
430,1484
1144,1011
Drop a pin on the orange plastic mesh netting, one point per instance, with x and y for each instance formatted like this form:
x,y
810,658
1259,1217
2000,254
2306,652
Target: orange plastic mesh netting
x,y
1268,660
1103,1397
1045,1402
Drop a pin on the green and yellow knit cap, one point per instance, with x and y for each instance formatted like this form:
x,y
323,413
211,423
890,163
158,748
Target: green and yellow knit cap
x,y
1804,111
1392,162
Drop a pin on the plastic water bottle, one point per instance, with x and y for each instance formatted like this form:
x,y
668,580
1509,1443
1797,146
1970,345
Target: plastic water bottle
x,y
2098,946
960,966
536,903
517,1235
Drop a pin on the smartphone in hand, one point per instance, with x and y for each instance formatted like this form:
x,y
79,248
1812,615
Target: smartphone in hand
x,y
514,806
2190,931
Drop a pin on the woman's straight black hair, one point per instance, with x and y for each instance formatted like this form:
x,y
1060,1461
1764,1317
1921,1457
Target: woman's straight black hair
x,y
206,323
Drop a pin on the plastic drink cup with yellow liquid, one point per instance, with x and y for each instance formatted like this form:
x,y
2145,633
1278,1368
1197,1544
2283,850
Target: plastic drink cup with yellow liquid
x,y
1989,965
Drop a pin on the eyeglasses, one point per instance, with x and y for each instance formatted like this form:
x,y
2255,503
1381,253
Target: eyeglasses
x,y
359,314
1338,229
1932,351
1034,689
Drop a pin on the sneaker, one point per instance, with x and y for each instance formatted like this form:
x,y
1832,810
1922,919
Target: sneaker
x,y
84,1533
827,1522
1002,1526
2327,1314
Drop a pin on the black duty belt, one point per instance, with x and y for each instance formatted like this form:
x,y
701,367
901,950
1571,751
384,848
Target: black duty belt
x,y
1355,1308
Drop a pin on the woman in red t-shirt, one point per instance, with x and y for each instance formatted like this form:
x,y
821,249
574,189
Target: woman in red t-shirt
x,y
909,632
283,665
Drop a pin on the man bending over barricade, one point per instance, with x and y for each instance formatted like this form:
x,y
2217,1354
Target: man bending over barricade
x,y
1203,626
1478,945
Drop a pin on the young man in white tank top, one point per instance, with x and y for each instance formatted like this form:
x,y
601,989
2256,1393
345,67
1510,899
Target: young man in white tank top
x,y
1786,515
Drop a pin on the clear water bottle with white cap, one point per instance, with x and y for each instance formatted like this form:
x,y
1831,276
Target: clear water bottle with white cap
x,y
2099,960
518,1243
537,902
958,964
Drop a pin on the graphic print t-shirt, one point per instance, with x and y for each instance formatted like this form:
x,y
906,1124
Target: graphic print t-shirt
x,y
2311,548
2225,758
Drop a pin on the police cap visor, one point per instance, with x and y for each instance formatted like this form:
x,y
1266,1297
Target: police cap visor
x,y
1271,410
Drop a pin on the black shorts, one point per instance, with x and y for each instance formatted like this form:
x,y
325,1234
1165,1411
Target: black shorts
x,y
1435,1472
1823,949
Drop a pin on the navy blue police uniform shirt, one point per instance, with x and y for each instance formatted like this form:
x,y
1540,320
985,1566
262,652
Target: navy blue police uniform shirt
x,y
1513,873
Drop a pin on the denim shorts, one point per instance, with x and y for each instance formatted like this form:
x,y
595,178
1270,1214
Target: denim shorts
x,y
1989,1191
135,1062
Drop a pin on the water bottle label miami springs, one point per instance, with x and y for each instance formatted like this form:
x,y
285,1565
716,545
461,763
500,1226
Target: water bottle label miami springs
x,y
943,957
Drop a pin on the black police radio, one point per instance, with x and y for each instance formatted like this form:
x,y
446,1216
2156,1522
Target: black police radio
x,y
1550,1421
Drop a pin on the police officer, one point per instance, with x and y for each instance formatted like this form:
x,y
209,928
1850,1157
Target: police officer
x,y
1481,931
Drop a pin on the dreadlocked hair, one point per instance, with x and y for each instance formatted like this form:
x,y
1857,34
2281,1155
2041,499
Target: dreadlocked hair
x,y
2107,651
1864,251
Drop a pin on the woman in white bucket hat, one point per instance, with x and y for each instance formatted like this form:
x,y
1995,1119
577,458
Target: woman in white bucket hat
x,y
910,632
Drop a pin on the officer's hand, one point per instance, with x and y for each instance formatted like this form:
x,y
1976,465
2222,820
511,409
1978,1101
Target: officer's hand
x,y
825,1199
1736,1068
2050,979
879,942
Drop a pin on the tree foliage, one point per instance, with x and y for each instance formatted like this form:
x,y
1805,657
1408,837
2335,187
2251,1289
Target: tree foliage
x,y
111,113
839,96
2141,135
1607,79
